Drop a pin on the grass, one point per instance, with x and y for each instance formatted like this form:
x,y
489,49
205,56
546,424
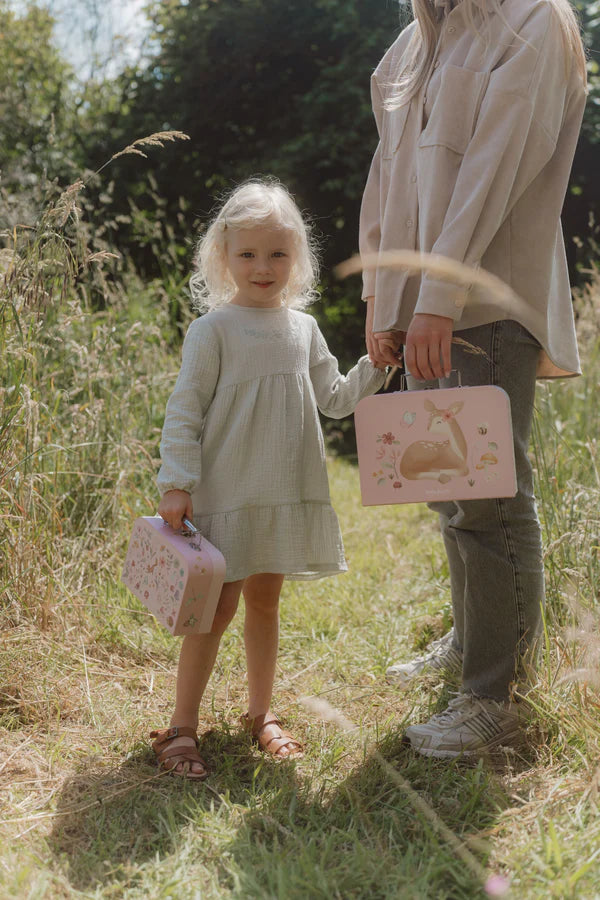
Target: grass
x,y
85,672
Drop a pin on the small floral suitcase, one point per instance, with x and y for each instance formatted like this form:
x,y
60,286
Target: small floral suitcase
x,y
178,576
432,445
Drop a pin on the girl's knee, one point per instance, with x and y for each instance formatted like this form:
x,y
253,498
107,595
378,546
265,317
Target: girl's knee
x,y
261,593
265,604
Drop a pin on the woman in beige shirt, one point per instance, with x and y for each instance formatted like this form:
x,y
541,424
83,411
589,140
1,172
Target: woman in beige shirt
x,y
478,106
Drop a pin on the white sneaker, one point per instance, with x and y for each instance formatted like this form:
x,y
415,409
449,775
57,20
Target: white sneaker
x,y
470,726
442,656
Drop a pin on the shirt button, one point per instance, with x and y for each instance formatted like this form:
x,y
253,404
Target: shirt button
x,y
459,303
409,223
451,29
413,178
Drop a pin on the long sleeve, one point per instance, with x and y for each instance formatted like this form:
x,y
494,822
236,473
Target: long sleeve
x,y
180,448
515,137
369,237
336,394
370,222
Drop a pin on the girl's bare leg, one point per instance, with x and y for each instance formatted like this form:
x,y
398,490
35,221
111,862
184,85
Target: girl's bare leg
x,y
196,661
261,636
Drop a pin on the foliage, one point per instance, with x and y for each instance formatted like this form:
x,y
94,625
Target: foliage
x,y
35,97
589,15
238,79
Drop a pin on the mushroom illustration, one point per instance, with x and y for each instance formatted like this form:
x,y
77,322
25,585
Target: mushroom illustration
x,y
487,459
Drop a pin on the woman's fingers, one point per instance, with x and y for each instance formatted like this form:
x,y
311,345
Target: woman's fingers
x,y
428,346
426,354
446,354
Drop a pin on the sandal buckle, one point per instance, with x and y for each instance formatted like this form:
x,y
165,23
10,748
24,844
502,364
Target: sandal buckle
x,y
172,732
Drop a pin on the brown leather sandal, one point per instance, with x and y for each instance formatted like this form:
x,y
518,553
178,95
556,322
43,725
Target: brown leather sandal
x,y
169,757
273,745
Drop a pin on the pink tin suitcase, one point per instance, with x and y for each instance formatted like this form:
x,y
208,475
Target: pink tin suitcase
x,y
431,445
177,576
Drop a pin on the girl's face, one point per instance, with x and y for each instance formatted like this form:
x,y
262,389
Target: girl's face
x,y
260,260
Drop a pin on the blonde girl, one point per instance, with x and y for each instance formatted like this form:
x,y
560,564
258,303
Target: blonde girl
x,y
478,106
242,449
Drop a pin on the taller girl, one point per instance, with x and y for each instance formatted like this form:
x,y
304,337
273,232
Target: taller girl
x,y
478,105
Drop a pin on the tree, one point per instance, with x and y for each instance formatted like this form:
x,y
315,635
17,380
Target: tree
x,y
34,96
276,88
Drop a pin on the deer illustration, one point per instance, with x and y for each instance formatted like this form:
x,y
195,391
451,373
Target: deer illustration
x,y
438,460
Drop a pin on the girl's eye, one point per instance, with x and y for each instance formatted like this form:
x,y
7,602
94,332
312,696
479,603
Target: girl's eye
x,y
279,253
246,254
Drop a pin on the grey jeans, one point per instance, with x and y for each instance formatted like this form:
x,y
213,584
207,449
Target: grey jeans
x,y
494,547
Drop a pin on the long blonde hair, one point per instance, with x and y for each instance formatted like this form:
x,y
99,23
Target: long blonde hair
x,y
422,45
255,203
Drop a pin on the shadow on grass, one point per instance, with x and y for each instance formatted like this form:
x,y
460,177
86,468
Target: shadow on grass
x,y
364,838
277,830
111,822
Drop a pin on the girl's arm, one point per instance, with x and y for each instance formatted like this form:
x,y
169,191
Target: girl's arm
x,y
336,394
180,447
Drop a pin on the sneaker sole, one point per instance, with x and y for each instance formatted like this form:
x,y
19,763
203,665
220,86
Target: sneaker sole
x,y
509,742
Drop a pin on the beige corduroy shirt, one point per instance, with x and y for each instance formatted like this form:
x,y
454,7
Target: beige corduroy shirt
x,y
475,168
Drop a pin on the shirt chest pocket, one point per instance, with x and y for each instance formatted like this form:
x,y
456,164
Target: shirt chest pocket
x,y
455,109
394,123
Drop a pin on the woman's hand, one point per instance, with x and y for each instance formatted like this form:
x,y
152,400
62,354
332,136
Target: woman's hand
x,y
428,347
174,507
383,346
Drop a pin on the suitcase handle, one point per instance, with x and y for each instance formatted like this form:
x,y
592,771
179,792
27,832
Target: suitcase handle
x,y
190,528
404,383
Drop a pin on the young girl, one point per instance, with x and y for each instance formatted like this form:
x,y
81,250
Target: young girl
x,y
242,448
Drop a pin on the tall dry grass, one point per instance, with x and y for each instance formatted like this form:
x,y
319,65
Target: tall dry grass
x,y
81,400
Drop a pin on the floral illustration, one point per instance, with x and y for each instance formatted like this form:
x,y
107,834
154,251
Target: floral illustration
x,y
390,460
387,438
156,574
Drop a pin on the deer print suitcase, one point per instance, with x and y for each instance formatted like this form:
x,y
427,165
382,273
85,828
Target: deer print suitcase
x,y
178,576
431,445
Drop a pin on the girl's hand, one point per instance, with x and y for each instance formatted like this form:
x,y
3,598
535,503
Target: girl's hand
x,y
175,506
428,346
382,347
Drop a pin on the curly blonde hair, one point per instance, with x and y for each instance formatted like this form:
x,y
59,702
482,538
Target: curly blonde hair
x,y
255,203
